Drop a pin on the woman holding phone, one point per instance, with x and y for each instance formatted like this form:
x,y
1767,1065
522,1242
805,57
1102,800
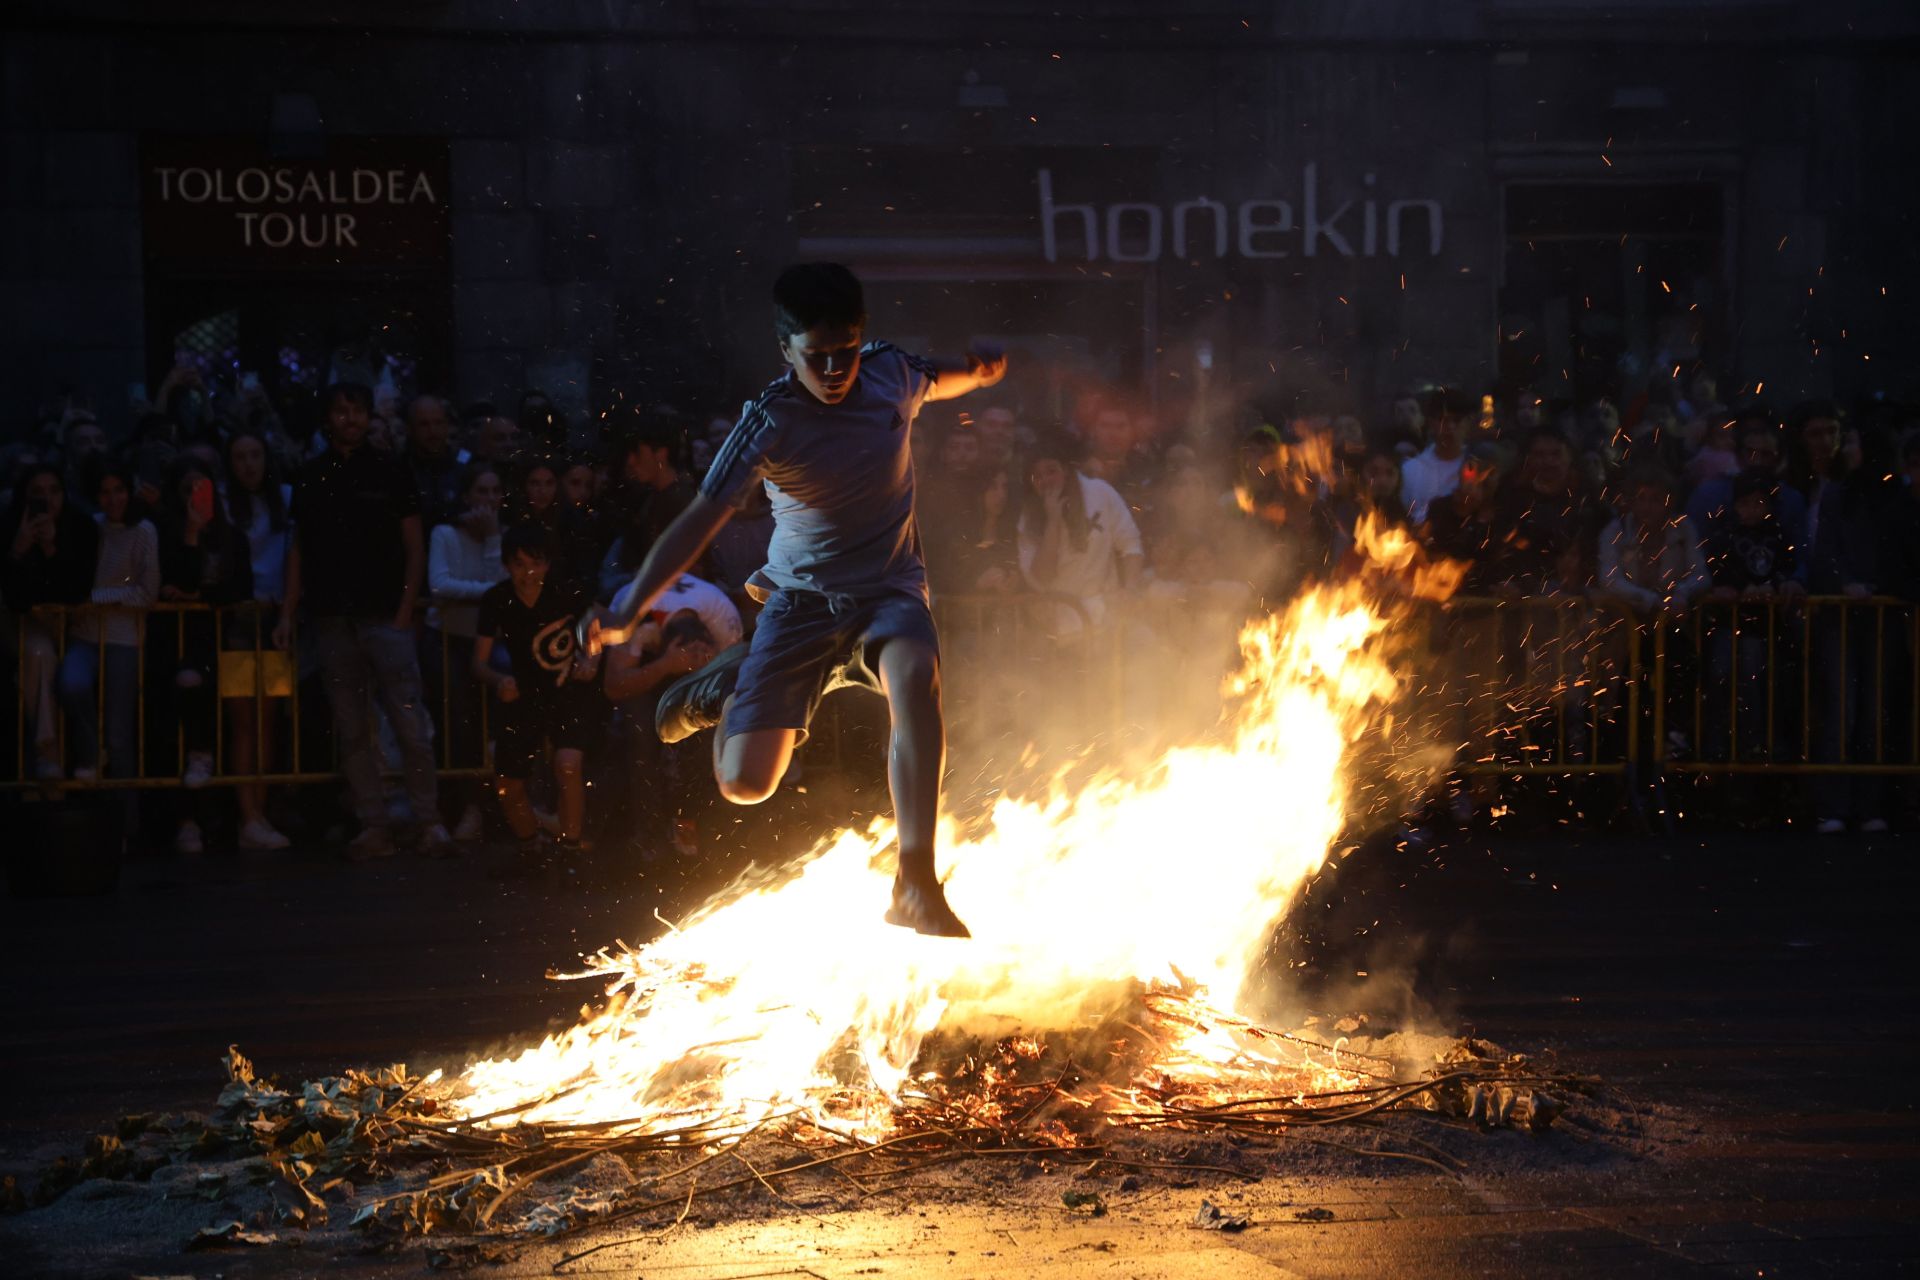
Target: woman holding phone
x,y
204,559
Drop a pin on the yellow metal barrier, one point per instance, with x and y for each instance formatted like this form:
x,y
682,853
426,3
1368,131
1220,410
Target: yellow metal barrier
x,y
1554,685
257,672
1837,688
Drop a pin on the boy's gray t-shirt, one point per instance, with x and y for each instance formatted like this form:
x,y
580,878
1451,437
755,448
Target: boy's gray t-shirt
x,y
840,477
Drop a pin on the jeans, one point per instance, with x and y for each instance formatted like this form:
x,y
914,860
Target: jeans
x,y
364,658
79,673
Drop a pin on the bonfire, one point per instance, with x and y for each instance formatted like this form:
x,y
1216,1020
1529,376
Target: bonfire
x,y
1109,991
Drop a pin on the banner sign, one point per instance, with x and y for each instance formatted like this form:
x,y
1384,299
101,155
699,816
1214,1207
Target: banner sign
x,y
225,205
1352,222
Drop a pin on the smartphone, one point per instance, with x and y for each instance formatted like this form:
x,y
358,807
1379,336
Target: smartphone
x,y
200,500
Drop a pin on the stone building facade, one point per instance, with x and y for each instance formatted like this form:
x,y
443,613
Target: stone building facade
x,y
1318,199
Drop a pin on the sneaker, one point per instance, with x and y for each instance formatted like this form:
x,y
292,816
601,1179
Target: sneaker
x,y
1874,827
371,844
694,702
435,842
549,823
470,827
47,769
199,770
83,774
924,909
1831,826
187,841
258,833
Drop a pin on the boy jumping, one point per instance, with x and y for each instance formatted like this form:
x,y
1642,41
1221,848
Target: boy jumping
x,y
844,587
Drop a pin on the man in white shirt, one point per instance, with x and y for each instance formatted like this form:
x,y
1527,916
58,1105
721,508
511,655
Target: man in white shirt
x,y
1435,471
1077,536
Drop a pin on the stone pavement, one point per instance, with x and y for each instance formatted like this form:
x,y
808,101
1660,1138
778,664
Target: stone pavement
x,y
1759,986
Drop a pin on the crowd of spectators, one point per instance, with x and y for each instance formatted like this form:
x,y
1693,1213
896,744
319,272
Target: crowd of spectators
x,y
406,571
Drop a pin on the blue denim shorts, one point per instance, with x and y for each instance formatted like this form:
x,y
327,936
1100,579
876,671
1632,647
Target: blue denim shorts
x,y
806,644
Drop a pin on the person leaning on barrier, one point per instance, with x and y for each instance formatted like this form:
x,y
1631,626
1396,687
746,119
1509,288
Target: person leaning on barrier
x,y
204,559
51,548
1857,554
257,505
126,581
1648,557
1541,516
357,564
1076,535
463,564
1460,525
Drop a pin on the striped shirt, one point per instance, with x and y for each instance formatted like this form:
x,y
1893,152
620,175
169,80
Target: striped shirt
x,y
127,575
840,477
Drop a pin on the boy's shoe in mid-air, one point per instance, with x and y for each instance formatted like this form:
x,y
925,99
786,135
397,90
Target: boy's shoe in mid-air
x,y
924,909
694,702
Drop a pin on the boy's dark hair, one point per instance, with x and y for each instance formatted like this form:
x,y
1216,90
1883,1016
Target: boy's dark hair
x,y
809,294
358,392
529,536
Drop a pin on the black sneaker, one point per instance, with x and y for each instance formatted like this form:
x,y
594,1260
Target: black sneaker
x,y
694,702
925,910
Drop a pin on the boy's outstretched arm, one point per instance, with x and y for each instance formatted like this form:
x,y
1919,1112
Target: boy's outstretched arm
x,y
982,366
679,545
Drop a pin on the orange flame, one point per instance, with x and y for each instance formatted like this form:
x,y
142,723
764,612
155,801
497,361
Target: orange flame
x,y
787,988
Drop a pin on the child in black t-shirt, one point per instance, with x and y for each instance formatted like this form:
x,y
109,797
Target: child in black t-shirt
x,y
1748,551
552,695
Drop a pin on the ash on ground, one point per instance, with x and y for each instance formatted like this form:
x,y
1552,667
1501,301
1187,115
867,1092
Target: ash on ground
x,y
336,1167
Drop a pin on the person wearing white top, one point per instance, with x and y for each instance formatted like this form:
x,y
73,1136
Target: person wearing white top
x,y
127,579
691,622
1077,538
1434,472
1649,559
463,561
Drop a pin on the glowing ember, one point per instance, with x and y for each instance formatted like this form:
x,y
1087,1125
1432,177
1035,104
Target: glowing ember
x,y
787,995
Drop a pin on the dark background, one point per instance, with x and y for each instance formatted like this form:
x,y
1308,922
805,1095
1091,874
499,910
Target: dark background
x,y
1624,185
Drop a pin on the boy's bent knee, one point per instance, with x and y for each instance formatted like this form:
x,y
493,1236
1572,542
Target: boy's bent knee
x,y
746,789
910,666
